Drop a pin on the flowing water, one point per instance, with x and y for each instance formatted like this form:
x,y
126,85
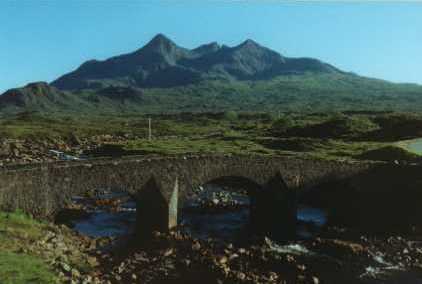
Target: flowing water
x,y
223,224
106,224
103,222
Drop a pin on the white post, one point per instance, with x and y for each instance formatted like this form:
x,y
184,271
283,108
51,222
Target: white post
x,y
149,129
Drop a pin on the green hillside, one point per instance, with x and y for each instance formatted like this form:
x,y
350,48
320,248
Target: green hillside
x,y
308,92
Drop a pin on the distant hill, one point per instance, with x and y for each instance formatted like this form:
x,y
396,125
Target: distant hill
x,y
38,96
163,77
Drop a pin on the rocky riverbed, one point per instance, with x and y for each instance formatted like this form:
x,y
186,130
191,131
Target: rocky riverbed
x,y
337,256
328,254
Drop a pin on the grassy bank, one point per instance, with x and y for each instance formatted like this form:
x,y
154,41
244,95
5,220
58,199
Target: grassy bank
x,y
17,264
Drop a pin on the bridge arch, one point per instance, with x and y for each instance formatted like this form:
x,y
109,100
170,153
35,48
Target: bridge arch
x,y
272,206
236,182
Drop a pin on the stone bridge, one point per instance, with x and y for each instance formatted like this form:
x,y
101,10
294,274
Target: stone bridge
x,y
161,185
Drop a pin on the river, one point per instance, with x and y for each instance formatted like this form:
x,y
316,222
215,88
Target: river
x,y
224,225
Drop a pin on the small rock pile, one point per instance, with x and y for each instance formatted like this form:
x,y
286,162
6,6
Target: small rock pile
x,y
178,257
27,151
397,250
219,200
73,256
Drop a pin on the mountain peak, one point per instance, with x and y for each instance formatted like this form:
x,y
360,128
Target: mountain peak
x,y
249,42
38,88
162,63
160,40
40,84
211,45
206,48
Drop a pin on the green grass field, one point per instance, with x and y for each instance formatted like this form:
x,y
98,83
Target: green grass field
x,y
322,135
17,264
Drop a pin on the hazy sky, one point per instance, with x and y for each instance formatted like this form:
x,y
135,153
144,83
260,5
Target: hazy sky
x,y
43,39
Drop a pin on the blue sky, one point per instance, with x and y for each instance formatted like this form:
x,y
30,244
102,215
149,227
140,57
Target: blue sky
x,y
43,39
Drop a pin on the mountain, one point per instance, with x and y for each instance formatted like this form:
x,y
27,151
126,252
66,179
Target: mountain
x,y
162,63
164,77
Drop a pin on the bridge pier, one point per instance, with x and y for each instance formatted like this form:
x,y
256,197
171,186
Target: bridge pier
x,y
272,213
154,210
273,210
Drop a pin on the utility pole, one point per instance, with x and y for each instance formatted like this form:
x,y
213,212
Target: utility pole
x,y
149,129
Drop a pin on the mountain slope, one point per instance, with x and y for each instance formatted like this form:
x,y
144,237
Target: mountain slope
x,y
307,93
163,77
161,63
